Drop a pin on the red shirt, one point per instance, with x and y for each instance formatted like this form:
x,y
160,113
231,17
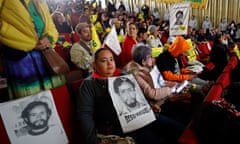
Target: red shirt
x,y
126,54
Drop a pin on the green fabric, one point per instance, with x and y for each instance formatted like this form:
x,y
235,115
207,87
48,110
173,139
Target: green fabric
x,y
37,19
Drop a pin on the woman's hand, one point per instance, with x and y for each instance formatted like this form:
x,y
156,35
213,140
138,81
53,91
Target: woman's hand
x,y
155,107
43,43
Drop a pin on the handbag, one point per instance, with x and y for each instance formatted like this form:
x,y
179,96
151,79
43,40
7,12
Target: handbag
x,y
114,139
55,62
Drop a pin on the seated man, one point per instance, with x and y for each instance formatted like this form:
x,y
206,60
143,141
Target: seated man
x,y
153,39
81,52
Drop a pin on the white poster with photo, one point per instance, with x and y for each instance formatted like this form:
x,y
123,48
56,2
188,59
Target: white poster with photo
x,y
179,16
132,108
33,119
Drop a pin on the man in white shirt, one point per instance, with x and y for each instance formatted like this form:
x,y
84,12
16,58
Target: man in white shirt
x,y
193,23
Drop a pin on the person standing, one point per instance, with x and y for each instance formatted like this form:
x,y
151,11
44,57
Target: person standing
x,y
27,29
207,24
223,25
193,22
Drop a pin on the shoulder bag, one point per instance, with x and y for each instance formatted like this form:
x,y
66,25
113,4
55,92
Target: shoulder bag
x,y
55,62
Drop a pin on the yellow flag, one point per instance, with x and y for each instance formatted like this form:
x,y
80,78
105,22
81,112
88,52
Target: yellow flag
x,y
192,56
236,50
96,43
93,18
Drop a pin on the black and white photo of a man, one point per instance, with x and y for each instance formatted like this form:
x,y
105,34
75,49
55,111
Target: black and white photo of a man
x,y
33,119
36,115
127,92
131,105
179,18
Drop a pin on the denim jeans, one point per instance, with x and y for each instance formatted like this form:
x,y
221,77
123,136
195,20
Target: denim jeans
x,y
163,130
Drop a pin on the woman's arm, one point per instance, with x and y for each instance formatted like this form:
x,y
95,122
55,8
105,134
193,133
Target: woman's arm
x,y
85,110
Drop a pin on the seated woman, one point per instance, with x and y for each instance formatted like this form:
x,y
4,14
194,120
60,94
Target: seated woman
x,y
141,67
96,113
61,24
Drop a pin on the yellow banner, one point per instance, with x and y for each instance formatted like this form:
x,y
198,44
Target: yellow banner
x,y
194,3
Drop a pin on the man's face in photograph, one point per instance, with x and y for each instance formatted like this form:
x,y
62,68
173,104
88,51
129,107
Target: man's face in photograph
x,y
128,94
38,117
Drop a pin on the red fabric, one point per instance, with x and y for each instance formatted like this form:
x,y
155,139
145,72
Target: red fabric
x,y
3,133
184,60
96,75
61,52
203,47
215,93
66,112
224,79
188,137
65,54
209,66
126,54
164,37
233,61
75,37
196,50
228,68
211,43
75,86
66,37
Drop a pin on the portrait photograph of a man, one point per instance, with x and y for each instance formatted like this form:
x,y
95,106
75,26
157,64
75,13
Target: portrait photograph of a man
x,y
130,104
33,119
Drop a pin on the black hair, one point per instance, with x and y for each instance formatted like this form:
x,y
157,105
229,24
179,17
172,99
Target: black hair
x,y
30,106
141,31
179,12
118,81
96,53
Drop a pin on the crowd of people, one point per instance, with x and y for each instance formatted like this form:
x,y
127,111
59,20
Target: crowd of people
x,y
35,24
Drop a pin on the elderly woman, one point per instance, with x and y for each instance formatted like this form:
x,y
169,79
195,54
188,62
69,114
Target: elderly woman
x,y
140,67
